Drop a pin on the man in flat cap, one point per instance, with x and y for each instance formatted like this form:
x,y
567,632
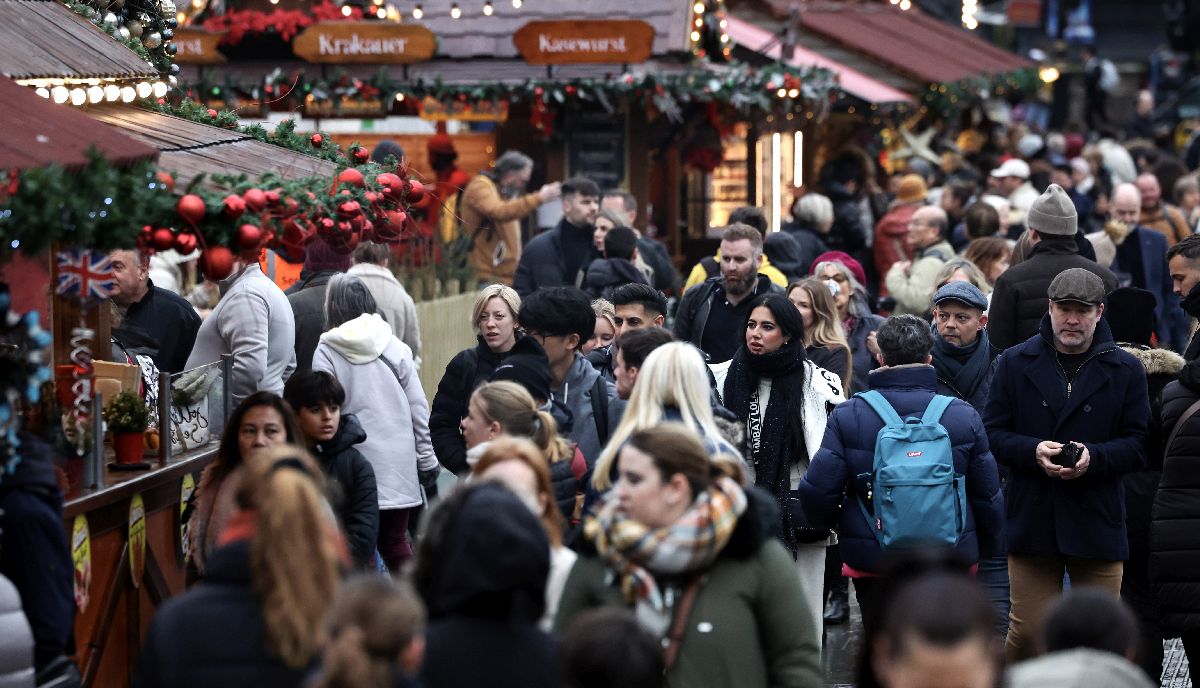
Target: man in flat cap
x,y
1019,300
1067,414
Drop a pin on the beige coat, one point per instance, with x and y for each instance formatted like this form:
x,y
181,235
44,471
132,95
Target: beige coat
x,y
495,251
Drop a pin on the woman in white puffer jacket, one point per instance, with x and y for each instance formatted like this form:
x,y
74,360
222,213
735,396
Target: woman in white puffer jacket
x,y
382,390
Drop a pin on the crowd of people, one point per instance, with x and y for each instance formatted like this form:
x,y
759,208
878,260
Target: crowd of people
x,y
964,388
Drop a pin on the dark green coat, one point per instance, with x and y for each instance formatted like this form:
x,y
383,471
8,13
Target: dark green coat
x,y
750,626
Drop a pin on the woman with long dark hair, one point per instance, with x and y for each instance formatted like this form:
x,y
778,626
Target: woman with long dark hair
x,y
784,400
261,422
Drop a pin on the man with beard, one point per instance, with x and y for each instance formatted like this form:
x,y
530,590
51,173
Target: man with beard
x,y
560,256
1157,214
493,205
712,314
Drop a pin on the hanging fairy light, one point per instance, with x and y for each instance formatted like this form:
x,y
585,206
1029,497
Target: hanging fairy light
x,y
516,4
417,12
455,11
487,8
970,12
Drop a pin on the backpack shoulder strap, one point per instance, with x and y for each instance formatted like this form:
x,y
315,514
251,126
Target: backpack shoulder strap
x,y
937,406
881,407
711,267
1187,415
600,408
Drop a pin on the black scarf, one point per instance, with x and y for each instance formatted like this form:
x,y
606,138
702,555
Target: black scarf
x,y
781,437
963,367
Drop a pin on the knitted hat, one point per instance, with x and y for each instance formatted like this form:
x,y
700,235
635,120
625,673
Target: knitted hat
x,y
845,261
912,189
1053,213
1130,314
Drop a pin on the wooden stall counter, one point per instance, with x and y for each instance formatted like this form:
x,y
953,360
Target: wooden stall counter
x,y
127,542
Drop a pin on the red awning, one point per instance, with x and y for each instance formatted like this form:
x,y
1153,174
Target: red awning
x,y
850,80
35,132
909,42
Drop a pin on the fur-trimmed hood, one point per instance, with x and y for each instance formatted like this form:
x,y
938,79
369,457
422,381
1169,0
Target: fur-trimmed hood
x,y
1155,361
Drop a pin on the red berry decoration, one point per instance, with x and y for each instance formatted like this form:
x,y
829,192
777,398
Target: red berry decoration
x,y
216,263
185,243
415,190
256,200
233,206
191,209
163,239
249,237
316,140
351,176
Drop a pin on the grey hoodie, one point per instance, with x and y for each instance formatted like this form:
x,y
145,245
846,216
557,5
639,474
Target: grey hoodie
x,y
576,395
1080,668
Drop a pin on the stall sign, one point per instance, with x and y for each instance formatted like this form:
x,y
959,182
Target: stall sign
x,y
365,43
198,46
610,41
481,111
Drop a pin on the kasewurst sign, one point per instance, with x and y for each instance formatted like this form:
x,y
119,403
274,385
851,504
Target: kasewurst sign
x,y
365,42
612,41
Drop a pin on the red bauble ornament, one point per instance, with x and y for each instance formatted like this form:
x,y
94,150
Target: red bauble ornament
x,y
349,209
325,226
362,154
212,113
249,236
163,239
216,263
387,180
256,200
570,90
273,197
415,190
350,176
185,244
316,140
166,180
233,206
191,209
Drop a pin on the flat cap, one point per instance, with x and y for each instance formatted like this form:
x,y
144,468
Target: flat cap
x,y
964,292
1077,284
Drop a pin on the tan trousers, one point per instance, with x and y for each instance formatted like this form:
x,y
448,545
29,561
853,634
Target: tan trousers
x,y
1036,582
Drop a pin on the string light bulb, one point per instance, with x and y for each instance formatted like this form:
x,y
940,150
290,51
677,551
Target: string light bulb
x,y
905,5
516,4
144,90
698,8
346,10
487,8
43,92
112,92
78,96
418,12
455,12
160,89
381,13
128,93
95,94
60,94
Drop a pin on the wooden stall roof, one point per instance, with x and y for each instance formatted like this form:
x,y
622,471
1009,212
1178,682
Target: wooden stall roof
x,y
477,35
190,149
45,39
35,132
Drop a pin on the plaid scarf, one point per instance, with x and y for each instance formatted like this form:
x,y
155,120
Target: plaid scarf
x,y
638,553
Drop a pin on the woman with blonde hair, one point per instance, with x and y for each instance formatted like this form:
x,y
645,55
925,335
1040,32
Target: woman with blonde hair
x,y
606,326
681,543
961,270
517,464
672,386
255,619
507,408
824,340
494,319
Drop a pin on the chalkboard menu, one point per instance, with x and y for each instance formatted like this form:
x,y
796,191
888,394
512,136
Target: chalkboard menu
x,y
596,147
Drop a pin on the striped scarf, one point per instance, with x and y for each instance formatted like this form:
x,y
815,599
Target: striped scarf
x,y
638,553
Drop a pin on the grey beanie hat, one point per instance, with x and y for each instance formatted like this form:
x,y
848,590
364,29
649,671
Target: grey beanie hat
x,y
1053,213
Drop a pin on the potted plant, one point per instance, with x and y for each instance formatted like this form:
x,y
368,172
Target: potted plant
x,y
127,419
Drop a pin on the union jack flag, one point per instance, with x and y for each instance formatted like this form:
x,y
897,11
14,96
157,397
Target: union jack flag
x,y
85,273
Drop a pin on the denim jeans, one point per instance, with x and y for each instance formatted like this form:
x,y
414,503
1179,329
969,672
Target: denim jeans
x,y
992,574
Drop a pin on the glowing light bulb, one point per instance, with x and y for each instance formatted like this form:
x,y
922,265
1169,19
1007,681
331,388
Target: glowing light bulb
x,y
60,94
418,12
487,8
95,94
794,93
160,89
112,92
128,94
698,8
782,93
144,90
78,96
43,92
516,4
399,97
695,36
905,5
346,10
381,13
455,12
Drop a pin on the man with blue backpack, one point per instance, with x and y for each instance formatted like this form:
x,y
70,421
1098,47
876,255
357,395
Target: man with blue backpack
x,y
901,467
1067,413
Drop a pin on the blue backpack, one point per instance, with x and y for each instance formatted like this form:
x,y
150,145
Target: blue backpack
x,y
914,492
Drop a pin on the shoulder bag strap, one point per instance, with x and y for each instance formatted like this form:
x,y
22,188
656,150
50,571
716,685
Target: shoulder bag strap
x,y
679,623
392,369
937,406
1187,415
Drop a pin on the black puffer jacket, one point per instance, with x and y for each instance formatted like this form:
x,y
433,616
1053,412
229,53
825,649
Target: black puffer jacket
x,y
214,634
1175,519
1162,367
358,496
606,274
1020,301
466,371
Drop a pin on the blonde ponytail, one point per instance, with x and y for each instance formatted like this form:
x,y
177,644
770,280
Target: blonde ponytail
x,y
511,405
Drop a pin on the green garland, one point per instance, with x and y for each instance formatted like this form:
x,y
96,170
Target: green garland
x,y
946,100
162,56
740,86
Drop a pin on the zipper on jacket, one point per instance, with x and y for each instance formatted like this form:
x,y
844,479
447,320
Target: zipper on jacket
x,y
1081,365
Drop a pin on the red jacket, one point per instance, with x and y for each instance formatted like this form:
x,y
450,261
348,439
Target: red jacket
x,y
891,240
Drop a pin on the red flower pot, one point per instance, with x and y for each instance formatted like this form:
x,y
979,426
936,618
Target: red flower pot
x,y
128,446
